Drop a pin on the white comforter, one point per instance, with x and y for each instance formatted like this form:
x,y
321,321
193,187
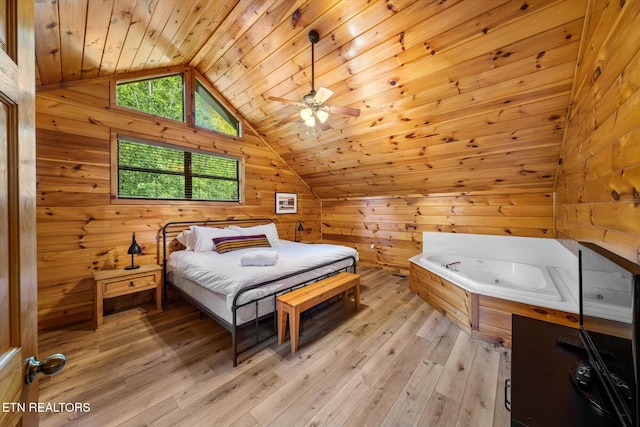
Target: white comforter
x,y
222,273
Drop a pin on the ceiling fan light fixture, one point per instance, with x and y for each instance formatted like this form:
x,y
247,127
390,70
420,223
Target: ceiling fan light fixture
x,y
312,106
322,115
306,114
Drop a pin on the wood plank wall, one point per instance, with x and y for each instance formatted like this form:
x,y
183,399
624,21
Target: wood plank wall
x,y
598,189
80,229
394,225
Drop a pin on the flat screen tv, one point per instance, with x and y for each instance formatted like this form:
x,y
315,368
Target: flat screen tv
x,y
609,330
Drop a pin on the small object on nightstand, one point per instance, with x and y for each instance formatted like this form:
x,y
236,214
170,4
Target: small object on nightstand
x,y
119,282
134,249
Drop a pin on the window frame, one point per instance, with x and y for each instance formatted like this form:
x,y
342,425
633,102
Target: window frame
x,y
115,170
189,76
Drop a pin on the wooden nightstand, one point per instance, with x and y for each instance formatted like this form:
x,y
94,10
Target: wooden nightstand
x,y
118,282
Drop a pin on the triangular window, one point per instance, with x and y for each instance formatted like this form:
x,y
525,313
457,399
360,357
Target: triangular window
x,y
210,114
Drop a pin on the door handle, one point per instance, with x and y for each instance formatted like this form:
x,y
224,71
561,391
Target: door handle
x,y
51,365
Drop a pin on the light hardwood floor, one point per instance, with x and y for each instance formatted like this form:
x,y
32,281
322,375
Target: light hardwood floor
x,y
395,362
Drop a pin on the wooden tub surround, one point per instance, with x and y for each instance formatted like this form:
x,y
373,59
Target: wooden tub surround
x,y
481,316
295,302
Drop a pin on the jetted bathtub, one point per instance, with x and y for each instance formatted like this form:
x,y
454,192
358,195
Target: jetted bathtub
x,y
479,281
502,279
530,270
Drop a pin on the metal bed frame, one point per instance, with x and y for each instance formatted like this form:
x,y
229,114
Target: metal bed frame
x,y
172,229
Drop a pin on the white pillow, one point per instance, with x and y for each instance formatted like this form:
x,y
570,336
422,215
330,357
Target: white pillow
x,y
269,230
203,237
186,237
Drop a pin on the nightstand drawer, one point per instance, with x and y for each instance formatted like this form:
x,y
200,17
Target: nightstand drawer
x,y
126,286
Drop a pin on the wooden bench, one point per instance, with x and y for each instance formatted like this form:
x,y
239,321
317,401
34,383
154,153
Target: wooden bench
x,y
295,302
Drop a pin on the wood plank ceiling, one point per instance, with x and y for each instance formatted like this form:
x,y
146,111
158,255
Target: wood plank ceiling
x,y
456,95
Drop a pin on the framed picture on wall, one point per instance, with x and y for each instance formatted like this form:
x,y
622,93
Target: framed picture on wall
x,y
286,203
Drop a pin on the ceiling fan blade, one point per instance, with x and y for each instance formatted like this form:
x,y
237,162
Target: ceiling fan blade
x,y
289,119
322,95
345,111
284,101
323,126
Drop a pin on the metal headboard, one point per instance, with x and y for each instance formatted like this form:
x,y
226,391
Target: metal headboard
x,y
172,229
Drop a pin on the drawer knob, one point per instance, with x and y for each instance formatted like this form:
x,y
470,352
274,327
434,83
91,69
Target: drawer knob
x,y
131,284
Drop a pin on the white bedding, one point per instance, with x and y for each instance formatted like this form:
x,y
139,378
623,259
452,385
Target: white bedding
x,y
223,274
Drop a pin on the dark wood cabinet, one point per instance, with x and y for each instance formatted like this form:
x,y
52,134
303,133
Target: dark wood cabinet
x,y
542,393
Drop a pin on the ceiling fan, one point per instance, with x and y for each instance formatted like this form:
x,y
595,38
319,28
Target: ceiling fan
x,y
313,110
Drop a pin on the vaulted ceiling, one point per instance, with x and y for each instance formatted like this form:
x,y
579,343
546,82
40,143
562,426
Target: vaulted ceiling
x,y
455,95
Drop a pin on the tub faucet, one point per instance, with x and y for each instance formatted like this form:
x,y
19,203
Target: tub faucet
x,y
452,264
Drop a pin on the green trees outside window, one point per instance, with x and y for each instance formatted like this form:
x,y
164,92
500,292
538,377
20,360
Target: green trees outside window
x,y
154,171
212,115
164,96
147,171
160,96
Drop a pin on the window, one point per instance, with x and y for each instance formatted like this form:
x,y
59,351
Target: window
x,y
150,171
164,96
160,96
212,115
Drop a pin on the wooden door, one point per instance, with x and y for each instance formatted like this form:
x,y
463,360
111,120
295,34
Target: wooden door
x,y
18,286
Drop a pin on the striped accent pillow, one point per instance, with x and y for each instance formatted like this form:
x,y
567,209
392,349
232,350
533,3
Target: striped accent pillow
x,y
233,243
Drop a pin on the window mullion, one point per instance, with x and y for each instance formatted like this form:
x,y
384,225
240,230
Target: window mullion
x,y
188,176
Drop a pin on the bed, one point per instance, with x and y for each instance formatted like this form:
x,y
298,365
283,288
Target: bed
x,y
242,297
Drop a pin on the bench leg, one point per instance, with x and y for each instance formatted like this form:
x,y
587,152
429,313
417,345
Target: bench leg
x,y
294,325
356,294
282,322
